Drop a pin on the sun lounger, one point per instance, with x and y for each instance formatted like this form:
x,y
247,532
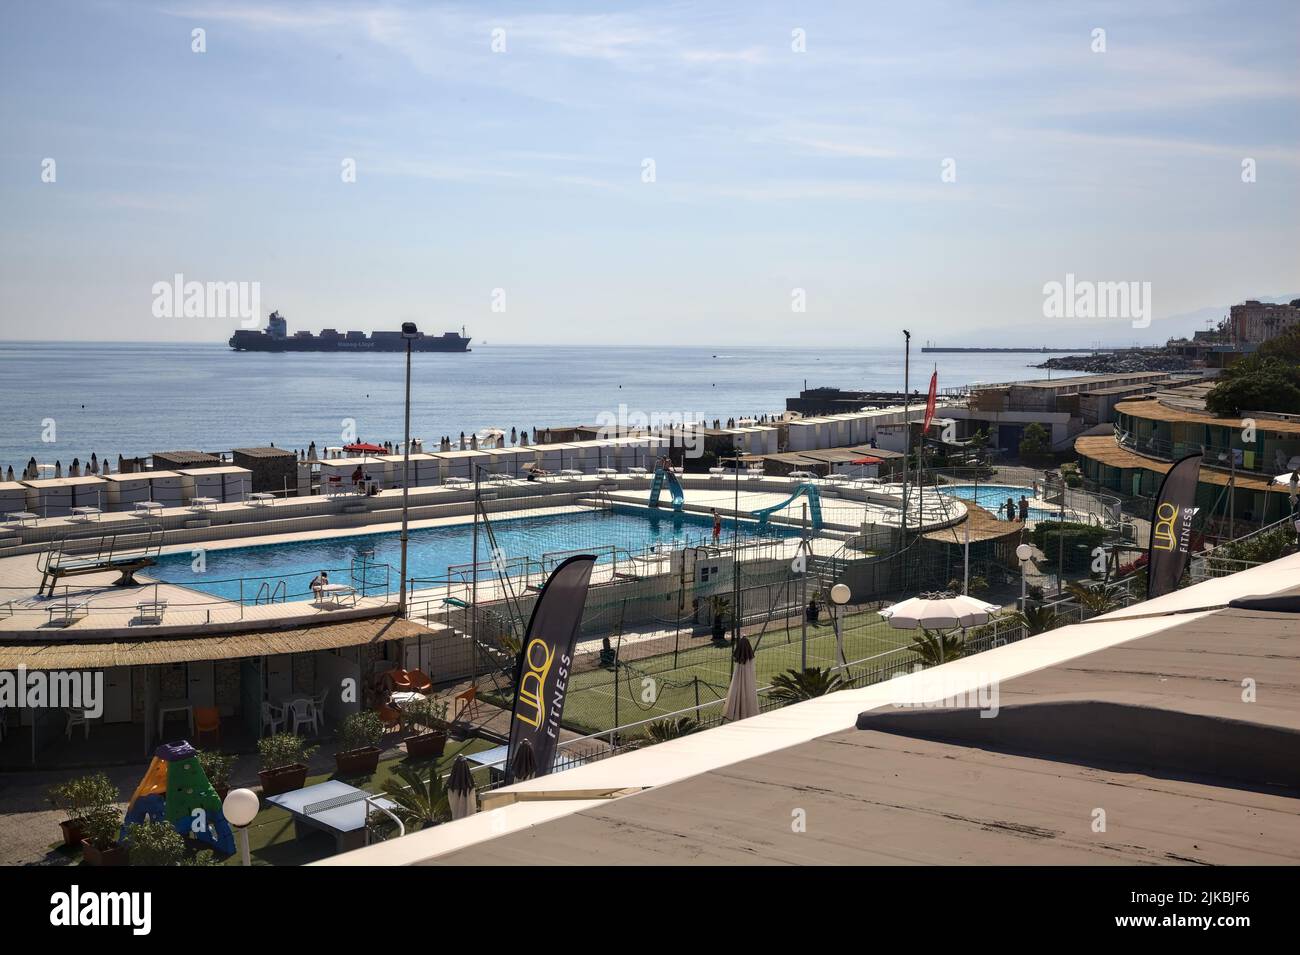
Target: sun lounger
x,y
23,517
336,593
86,513
66,612
203,503
151,610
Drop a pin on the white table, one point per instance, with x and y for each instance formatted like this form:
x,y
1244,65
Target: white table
x,y
571,473
86,513
260,498
336,593
175,706
147,508
23,517
67,611
637,471
457,480
606,472
203,503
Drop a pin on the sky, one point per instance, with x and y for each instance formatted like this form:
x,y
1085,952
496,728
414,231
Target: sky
x,y
645,173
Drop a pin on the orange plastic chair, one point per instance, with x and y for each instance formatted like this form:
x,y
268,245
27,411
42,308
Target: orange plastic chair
x,y
390,716
420,681
466,703
207,719
398,680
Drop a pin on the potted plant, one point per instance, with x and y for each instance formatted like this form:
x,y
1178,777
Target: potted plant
x,y
719,606
431,717
155,844
100,846
217,767
77,798
359,736
284,763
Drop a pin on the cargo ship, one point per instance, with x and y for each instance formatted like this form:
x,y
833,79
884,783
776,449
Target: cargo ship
x,y
276,337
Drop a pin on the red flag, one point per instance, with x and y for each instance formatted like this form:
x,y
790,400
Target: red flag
x,y
929,402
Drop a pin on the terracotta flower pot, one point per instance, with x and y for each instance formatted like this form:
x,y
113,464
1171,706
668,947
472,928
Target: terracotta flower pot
x,y
425,745
358,762
284,779
72,833
116,854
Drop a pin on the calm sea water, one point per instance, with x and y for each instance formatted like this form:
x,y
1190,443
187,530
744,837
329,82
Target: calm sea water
x,y
138,398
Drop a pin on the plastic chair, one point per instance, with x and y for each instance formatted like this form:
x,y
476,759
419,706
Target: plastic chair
x,y
301,713
466,703
390,716
272,717
420,681
78,718
318,708
207,720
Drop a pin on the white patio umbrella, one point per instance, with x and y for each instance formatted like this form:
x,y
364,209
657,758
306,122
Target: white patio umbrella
x,y
460,790
742,695
939,613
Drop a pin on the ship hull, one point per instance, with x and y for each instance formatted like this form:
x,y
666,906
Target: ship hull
x,y
259,341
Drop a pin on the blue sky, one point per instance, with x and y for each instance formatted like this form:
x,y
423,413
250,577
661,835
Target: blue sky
x,y
522,170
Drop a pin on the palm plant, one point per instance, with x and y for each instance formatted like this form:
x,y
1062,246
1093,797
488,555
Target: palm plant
x,y
661,730
934,647
1097,599
792,686
1036,619
421,796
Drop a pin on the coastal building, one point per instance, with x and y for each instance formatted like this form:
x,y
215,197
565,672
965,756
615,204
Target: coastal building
x,y
1252,322
1240,463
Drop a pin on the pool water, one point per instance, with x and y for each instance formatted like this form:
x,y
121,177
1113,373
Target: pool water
x,y
433,549
993,497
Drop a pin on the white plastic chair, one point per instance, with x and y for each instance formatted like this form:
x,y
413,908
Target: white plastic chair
x,y
318,709
272,718
302,713
78,718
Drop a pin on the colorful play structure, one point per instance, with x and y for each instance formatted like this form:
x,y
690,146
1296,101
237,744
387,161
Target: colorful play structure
x,y
674,487
176,789
814,506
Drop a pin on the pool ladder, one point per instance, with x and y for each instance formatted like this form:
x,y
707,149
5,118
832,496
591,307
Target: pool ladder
x,y
269,593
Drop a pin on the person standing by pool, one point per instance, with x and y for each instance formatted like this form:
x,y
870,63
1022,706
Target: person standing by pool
x,y
1024,509
321,581
1010,508
717,525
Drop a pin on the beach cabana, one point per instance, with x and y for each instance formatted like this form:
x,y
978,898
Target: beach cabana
x,y
424,470
56,497
16,497
167,488
461,464
225,485
124,491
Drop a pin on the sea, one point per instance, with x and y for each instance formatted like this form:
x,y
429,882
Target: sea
x,y
65,400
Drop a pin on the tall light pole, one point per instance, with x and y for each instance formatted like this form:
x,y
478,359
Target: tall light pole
x,y
907,431
409,333
1023,553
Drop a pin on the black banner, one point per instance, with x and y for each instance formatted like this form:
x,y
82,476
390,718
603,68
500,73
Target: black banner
x,y
542,672
1171,527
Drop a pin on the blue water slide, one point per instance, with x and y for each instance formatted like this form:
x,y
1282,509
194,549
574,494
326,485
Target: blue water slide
x,y
674,487
814,506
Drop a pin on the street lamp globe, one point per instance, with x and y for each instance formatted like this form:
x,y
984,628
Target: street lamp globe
x,y
1023,552
240,807
840,594
409,330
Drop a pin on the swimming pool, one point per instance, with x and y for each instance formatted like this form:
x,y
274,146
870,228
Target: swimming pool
x,y
993,497
433,549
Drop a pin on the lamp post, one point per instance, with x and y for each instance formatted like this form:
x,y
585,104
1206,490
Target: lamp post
x,y
1023,552
240,807
840,595
409,332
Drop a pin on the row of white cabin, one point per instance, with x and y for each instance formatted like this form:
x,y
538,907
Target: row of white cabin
x,y
433,468
843,430
56,497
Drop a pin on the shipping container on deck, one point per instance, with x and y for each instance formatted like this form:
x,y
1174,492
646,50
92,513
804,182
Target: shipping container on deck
x,y
56,497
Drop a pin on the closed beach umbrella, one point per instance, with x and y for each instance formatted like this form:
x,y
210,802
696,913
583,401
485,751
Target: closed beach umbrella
x,y
939,613
742,695
524,765
460,790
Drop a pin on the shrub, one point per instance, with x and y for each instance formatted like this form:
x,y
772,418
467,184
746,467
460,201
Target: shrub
x,y
283,749
792,686
155,844
1079,541
429,714
217,767
360,731
80,796
101,826
661,730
